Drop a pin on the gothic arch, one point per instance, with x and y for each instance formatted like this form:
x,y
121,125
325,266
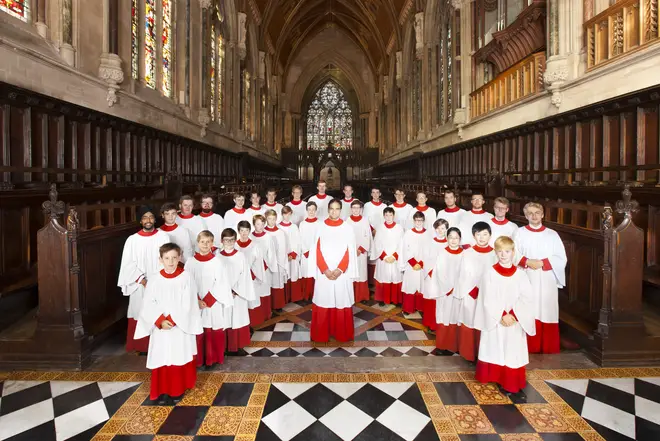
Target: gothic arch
x,y
349,96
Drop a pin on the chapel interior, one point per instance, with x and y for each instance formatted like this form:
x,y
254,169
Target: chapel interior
x,y
110,105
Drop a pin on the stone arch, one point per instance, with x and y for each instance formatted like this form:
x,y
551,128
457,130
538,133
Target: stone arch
x,y
230,20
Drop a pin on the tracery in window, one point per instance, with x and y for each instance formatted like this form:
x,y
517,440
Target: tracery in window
x,y
16,8
329,119
167,48
216,62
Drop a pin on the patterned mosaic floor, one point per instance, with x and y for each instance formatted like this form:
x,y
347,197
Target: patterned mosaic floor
x,y
561,405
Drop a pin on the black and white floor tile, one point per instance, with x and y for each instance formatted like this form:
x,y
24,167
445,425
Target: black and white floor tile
x,y
356,351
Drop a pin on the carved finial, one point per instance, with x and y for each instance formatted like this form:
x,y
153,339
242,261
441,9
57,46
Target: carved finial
x,y
52,207
607,218
72,223
627,206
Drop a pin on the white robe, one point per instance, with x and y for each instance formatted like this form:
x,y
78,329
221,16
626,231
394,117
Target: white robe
x,y
452,217
255,260
507,228
299,211
255,210
346,208
472,269
238,274
180,236
234,216
500,345
281,271
266,245
176,297
445,273
374,213
468,219
388,241
193,224
277,207
544,244
363,239
334,242
430,289
412,248
307,235
401,213
215,224
294,242
321,205
429,217
210,278
140,258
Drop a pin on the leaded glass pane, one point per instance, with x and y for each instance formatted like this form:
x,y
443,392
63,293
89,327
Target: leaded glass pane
x,y
167,48
329,119
135,40
16,8
150,43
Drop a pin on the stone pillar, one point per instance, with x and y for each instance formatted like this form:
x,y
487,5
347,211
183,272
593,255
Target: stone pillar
x,y
40,24
110,69
67,50
462,114
242,34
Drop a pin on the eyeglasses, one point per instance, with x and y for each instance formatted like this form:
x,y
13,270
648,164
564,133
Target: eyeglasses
x,y
229,240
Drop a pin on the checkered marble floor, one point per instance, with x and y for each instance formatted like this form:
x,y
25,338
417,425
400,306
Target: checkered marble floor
x,y
561,405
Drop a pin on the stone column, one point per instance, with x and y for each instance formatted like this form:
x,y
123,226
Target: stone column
x,y
110,69
462,114
40,24
203,114
67,50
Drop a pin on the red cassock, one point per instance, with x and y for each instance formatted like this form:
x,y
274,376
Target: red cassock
x,y
430,289
388,243
308,229
447,310
414,243
363,239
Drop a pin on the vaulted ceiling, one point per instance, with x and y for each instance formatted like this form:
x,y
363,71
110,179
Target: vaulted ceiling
x,y
373,24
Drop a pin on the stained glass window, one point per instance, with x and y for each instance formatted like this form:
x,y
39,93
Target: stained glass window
x,y
246,96
167,48
150,43
16,8
221,77
135,40
329,119
449,70
212,73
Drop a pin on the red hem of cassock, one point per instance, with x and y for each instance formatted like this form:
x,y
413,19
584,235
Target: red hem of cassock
x,y
133,345
173,380
279,299
428,314
266,308
256,316
511,380
211,347
371,270
238,338
361,291
419,301
389,293
332,322
295,290
546,340
307,287
408,304
468,342
446,337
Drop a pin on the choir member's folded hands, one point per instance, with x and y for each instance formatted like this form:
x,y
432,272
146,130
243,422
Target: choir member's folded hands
x,y
417,267
534,264
166,325
143,282
508,320
201,303
390,259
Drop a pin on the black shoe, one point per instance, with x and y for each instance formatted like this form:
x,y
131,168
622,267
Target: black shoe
x,y
166,401
143,354
521,396
161,400
381,303
176,400
504,391
279,311
442,352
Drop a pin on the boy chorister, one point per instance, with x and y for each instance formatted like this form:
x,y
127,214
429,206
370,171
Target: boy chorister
x,y
211,221
447,308
255,204
170,316
187,219
281,273
240,279
363,241
387,249
238,213
542,255
308,229
346,202
292,289
476,214
252,253
475,262
139,260
321,200
505,316
272,204
429,213
430,290
452,213
402,210
500,225
373,211
266,246
412,264
178,234
215,299
297,205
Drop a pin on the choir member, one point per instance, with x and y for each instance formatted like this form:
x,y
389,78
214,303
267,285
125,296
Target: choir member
x,y
281,273
386,249
476,260
500,225
211,221
347,201
266,245
178,234
272,204
139,261
447,308
293,290
469,218
170,317
187,219
505,316
412,264
215,298
373,211
429,213
363,240
238,213
297,205
321,200
430,290
452,213
402,210
255,204
238,273
308,229
541,253
252,254
333,261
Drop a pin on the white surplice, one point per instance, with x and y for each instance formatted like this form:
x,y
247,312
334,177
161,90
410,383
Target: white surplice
x,y
475,262
210,278
401,213
299,211
346,208
239,276
234,216
264,277
308,229
388,242
193,224
413,244
281,243
180,236
363,239
430,289
255,260
452,216
294,242
498,229
322,202
374,213
214,223
445,273
468,219
277,207
429,217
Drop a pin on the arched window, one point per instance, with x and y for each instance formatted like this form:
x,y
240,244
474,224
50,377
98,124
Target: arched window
x,y
217,63
329,119
152,57
16,8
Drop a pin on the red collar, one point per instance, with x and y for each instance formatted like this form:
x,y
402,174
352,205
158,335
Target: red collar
x,y
473,211
440,240
535,230
506,272
169,227
311,220
209,214
424,208
224,253
285,224
186,216
348,201
486,249
356,218
377,204
204,258
255,234
496,222
390,226
147,233
452,210
274,204
321,196
271,229
252,207
333,223
419,232
239,210
244,244
396,204
450,251
176,272
296,202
